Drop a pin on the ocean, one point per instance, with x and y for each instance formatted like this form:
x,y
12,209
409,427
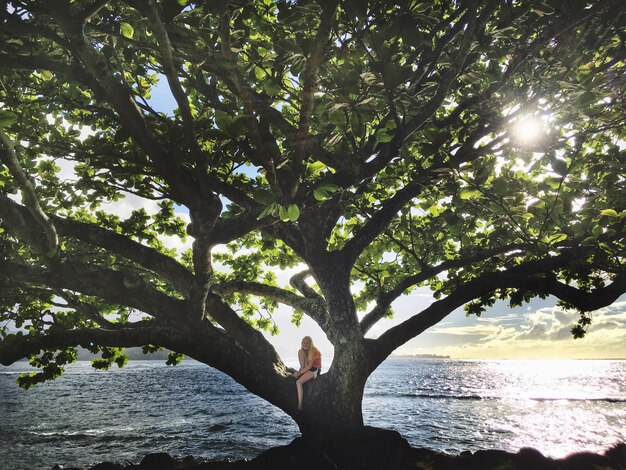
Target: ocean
x,y
89,416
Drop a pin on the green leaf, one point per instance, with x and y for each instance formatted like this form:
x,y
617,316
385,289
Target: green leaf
x,y
587,99
559,166
263,196
7,118
283,213
223,120
293,212
325,191
314,169
270,210
609,213
127,30
467,193
383,136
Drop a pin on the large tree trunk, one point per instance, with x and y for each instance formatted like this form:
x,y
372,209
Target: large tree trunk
x,y
333,401
330,415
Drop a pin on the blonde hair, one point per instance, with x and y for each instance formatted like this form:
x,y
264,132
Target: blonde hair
x,y
312,347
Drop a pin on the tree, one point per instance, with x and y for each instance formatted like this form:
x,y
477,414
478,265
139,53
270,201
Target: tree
x,y
369,143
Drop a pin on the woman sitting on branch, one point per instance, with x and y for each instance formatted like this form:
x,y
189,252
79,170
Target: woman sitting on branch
x,y
310,365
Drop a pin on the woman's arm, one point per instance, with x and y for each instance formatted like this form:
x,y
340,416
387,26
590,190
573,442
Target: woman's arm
x,y
308,364
305,363
302,357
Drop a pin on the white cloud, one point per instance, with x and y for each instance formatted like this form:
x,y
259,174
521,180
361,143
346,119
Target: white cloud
x,y
540,333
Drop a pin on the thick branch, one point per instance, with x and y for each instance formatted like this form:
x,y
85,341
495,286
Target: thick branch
x,y
227,230
386,152
385,299
88,310
263,141
314,307
116,287
524,275
19,220
298,281
122,101
309,79
29,196
582,300
249,339
15,348
165,47
93,9
381,219
374,226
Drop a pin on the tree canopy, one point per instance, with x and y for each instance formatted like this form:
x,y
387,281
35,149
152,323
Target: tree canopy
x,y
371,144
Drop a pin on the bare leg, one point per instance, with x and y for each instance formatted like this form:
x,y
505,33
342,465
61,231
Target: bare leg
x,y
308,375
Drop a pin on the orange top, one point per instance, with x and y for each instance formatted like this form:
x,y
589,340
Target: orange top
x,y
317,358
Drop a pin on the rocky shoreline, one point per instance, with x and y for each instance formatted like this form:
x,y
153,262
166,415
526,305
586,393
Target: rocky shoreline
x,y
389,452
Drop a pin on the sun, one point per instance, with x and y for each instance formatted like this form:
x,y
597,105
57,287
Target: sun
x,y
527,130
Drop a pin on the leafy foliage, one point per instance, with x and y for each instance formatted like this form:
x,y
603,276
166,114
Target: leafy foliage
x,y
369,145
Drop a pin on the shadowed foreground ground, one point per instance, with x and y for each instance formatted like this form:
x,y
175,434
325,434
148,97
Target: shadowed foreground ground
x,y
383,450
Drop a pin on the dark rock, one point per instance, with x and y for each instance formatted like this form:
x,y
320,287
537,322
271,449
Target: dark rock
x,y
108,466
528,457
189,462
378,449
159,461
617,454
373,449
426,459
587,461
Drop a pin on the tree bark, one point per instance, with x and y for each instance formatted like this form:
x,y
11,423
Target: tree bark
x,y
332,409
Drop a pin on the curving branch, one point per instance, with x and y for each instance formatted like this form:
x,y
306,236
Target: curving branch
x,y
227,230
533,274
315,307
165,47
388,151
16,347
385,299
248,338
122,101
20,221
309,79
582,300
113,286
298,281
260,135
381,219
38,62
87,309
9,158
91,10
383,216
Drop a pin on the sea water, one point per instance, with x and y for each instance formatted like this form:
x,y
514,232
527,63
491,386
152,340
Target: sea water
x,y
88,416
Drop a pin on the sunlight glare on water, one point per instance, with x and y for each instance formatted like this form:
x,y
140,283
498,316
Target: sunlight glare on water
x,y
557,407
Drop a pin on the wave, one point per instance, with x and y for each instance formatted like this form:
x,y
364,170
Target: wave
x,y
443,396
578,399
425,395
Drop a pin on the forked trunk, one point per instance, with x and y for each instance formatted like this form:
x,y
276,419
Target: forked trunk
x,y
333,403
